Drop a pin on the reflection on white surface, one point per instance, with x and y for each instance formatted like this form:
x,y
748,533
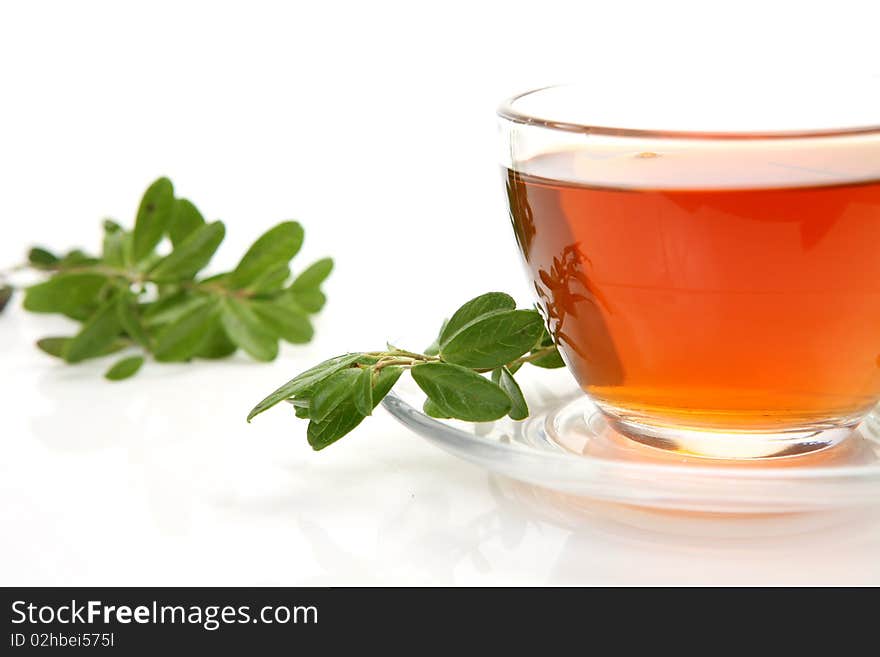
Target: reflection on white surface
x,y
672,548
126,484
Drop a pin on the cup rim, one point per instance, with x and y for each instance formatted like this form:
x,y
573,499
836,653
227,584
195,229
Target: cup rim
x,y
507,111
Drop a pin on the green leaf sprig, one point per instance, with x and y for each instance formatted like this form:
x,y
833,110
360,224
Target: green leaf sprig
x,y
487,335
132,298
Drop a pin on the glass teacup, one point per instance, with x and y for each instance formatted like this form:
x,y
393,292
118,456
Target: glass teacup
x,y
710,273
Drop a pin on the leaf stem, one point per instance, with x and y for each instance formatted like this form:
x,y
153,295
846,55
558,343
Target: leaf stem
x,y
535,355
404,358
137,278
411,354
391,360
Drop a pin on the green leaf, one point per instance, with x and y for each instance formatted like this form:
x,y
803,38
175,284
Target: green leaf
x,y
96,335
306,394
54,346
476,308
305,381
76,258
552,360
343,419
216,278
153,216
271,280
312,301
218,345
125,368
72,294
5,296
284,320
184,337
185,219
57,346
246,330
313,275
332,391
191,255
514,367
384,381
149,262
494,340
461,393
41,258
363,391
432,410
275,247
171,308
130,320
519,409
347,415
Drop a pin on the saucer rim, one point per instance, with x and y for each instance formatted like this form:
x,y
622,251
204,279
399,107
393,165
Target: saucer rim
x,y
437,430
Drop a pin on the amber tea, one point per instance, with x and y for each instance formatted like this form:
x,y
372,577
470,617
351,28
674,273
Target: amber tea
x,y
729,291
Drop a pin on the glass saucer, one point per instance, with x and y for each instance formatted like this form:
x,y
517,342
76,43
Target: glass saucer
x,y
567,446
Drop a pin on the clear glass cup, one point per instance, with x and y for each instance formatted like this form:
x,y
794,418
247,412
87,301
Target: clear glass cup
x,y
706,258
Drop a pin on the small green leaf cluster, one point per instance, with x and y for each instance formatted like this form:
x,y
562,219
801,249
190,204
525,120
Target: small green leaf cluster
x,y
132,297
487,335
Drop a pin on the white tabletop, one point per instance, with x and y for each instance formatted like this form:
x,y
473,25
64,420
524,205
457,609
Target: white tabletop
x,y
374,126
159,480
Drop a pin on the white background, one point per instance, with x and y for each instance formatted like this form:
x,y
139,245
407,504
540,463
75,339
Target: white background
x,y
373,124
